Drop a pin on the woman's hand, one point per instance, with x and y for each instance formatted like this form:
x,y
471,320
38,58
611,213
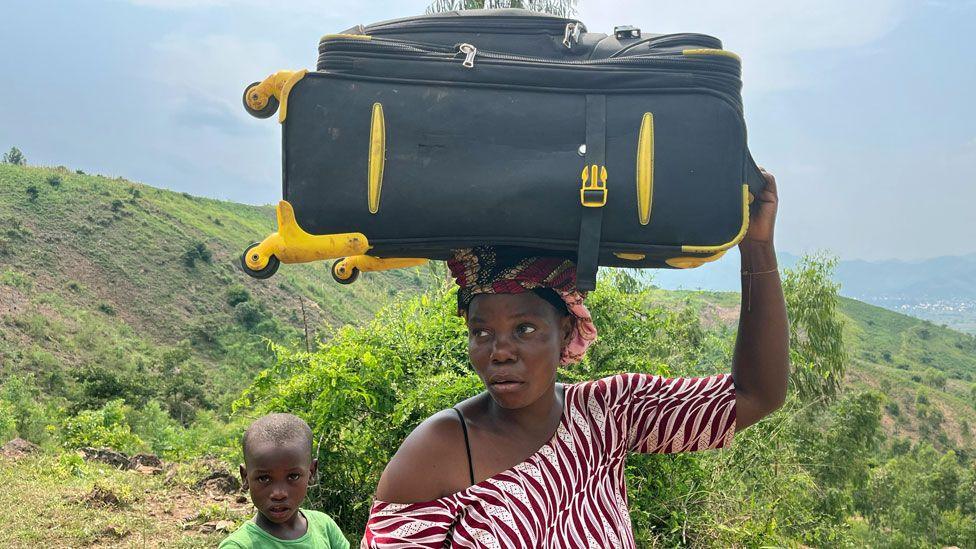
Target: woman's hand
x,y
763,218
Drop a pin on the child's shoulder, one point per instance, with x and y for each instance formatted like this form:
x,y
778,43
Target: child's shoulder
x,y
318,519
323,525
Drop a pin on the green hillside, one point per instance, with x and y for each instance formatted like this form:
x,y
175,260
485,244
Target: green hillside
x,y
108,287
900,356
926,371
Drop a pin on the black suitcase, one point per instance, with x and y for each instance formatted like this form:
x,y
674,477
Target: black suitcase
x,y
506,127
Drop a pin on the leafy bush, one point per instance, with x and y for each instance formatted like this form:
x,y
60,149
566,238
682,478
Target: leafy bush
x,y
206,331
198,251
237,294
934,378
8,422
104,427
32,192
23,402
54,180
248,314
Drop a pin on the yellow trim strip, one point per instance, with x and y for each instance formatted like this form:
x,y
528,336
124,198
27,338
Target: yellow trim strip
x,y
347,36
734,241
629,256
645,168
710,51
285,90
692,262
377,157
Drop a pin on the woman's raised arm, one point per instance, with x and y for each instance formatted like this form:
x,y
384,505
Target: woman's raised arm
x,y
761,363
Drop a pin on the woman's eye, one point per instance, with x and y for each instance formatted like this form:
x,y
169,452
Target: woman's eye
x,y
526,328
479,333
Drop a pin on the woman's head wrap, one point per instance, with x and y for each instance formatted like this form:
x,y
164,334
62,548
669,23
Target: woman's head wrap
x,y
489,270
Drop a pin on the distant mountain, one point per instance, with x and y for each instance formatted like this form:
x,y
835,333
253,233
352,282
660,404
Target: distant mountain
x,y
942,289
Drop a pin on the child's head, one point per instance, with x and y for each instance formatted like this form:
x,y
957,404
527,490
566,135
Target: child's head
x,y
278,465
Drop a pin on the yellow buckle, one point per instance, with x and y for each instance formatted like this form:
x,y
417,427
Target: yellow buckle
x,y
593,193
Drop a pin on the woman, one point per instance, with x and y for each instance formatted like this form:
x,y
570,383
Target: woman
x,y
534,463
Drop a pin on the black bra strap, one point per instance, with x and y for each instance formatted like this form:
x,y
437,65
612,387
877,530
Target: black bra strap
x,y
467,445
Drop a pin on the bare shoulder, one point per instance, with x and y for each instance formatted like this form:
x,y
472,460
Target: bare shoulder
x,y
431,463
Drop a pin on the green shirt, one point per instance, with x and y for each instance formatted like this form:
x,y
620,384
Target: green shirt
x,y
323,533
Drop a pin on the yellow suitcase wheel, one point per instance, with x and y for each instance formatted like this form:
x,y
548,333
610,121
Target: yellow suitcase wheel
x,y
253,101
268,270
343,273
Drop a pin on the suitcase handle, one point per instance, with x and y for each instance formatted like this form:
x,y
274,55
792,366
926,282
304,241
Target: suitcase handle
x,y
753,176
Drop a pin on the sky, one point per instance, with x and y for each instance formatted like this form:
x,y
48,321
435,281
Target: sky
x,y
863,110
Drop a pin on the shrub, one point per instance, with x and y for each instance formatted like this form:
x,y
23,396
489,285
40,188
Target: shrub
x,y
893,408
54,180
248,314
205,331
32,192
23,399
198,251
106,308
237,294
117,205
8,422
104,427
934,378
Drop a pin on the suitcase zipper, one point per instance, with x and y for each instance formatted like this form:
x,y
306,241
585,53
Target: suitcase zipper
x,y
717,62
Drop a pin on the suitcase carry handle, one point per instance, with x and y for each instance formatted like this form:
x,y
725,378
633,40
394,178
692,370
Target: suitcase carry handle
x,y
754,177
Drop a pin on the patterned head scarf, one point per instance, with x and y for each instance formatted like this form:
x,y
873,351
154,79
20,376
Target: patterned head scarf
x,y
489,270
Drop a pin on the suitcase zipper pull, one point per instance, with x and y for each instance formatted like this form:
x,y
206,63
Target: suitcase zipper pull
x,y
469,52
572,34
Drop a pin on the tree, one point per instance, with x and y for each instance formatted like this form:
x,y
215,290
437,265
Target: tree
x,y
816,333
15,157
561,8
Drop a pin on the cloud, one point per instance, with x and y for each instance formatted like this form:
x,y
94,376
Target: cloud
x,y
768,35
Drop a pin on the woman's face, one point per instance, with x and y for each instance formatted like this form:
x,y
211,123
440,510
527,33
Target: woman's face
x,y
515,342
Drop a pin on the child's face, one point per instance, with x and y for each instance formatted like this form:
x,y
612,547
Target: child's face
x,y
277,477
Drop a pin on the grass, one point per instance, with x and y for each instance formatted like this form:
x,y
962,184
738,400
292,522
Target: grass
x,y
49,499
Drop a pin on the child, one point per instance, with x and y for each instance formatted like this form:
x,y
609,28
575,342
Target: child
x,y
277,469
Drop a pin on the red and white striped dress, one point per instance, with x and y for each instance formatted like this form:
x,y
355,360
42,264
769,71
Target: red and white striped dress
x,y
571,492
